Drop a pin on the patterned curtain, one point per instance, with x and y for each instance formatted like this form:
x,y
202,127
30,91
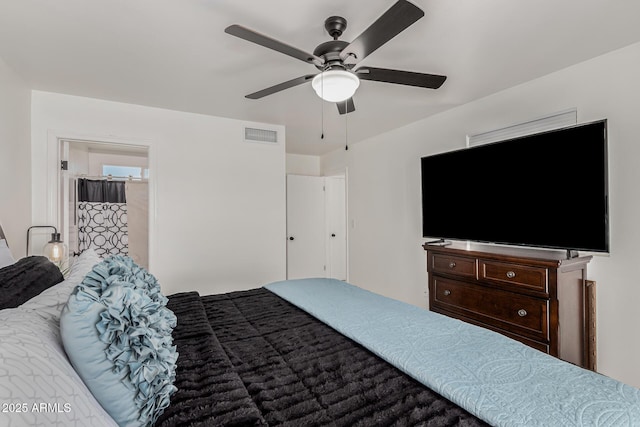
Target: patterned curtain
x,y
102,217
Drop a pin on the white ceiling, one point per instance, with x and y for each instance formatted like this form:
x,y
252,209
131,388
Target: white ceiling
x,y
175,54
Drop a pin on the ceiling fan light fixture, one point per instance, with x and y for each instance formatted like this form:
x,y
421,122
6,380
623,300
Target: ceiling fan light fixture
x,y
335,85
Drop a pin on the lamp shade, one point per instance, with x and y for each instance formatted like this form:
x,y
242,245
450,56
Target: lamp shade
x,y
55,250
335,85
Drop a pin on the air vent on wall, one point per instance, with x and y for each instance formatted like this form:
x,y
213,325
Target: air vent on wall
x,y
260,135
553,121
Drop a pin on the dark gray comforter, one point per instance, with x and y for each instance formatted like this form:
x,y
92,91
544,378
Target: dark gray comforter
x,y
252,359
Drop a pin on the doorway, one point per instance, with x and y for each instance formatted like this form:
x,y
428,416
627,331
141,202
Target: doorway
x,y
104,193
316,227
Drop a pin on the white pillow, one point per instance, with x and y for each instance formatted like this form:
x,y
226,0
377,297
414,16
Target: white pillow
x,y
34,369
38,385
50,302
6,258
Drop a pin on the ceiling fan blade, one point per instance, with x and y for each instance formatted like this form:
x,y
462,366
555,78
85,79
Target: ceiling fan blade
x,y
268,42
409,78
347,106
395,20
282,86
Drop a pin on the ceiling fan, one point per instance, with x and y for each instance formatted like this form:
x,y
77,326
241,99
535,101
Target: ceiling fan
x,y
336,59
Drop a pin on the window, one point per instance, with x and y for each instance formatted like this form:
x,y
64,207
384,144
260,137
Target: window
x,y
125,171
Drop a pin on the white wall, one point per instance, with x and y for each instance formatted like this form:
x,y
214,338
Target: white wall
x,y
218,203
15,163
300,164
385,205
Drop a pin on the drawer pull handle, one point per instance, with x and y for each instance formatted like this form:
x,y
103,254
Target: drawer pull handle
x,y
447,292
522,312
452,264
511,274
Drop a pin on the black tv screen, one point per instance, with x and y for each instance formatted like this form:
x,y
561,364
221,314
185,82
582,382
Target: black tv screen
x,y
546,190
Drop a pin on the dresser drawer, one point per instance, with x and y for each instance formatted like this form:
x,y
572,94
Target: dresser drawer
x,y
516,313
451,264
533,278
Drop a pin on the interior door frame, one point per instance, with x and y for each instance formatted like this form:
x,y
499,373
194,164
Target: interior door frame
x,y
55,175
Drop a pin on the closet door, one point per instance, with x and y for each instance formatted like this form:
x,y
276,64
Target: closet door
x,y
305,227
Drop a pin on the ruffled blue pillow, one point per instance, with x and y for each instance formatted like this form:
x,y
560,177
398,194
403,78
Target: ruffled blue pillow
x,y
116,330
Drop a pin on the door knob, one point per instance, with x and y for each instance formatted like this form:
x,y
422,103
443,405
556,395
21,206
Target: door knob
x,y
291,238
333,234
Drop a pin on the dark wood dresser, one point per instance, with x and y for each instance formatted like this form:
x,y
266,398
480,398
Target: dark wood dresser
x,y
535,297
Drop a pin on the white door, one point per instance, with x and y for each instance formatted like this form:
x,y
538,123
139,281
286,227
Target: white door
x,y
305,227
336,227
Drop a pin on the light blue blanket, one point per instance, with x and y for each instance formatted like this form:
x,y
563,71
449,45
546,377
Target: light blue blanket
x,y
495,378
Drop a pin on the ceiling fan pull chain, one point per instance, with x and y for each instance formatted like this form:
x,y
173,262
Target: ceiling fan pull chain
x,y
346,128
322,108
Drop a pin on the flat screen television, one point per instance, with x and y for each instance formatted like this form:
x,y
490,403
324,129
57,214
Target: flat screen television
x,y
547,190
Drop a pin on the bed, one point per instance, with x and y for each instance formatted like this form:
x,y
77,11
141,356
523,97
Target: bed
x,y
297,353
